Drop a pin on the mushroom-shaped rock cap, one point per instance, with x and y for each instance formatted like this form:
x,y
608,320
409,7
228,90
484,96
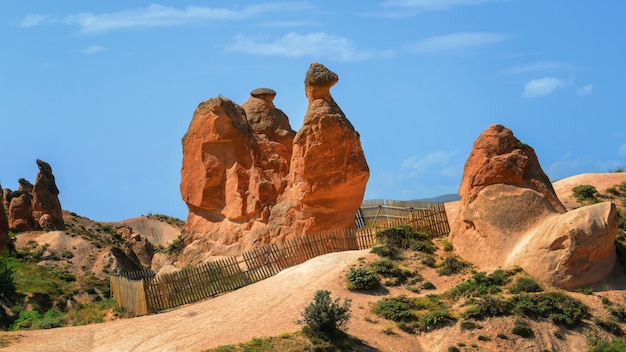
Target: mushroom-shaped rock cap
x,y
318,81
266,94
318,75
262,92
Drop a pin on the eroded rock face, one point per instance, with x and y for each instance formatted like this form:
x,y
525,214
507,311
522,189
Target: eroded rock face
x,y
4,226
47,211
21,211
510,215
249,179
328,168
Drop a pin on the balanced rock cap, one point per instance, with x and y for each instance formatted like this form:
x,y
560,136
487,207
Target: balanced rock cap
x,y
319,75
261,92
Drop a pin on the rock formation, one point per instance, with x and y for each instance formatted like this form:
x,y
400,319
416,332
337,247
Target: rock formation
x,y
4,226
510,211
21,211
249,179
47,211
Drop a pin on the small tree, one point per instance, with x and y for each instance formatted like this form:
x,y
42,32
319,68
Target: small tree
x,y
325,317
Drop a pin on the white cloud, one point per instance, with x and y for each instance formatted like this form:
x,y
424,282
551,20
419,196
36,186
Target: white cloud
x,y
156,15
542,87
419,163
455,42
622,150
93,49
283,24
541,66
584,90
32,20
318,44
408,8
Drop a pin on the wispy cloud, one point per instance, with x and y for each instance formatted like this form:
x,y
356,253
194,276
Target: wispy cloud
x,y
418,164
284,24
622,150
318,44
32,20
156,15
585,90
93,49
542,87
408,8
541,66
455,42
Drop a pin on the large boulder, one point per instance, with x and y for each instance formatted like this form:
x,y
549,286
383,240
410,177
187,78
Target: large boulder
x,y
47,211
510,215
249,179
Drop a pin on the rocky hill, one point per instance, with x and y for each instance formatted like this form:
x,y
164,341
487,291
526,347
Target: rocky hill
x,y
270,307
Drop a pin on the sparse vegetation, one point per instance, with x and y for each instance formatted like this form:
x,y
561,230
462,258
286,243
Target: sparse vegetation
x,y
452,264
526,284
362,279
325,318
522,328
585,193
175,247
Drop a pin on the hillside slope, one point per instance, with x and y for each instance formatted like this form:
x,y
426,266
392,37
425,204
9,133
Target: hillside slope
x,y
271,307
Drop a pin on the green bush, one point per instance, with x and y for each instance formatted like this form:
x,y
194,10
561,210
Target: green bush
x,y
429,261
434,319
7,285
521,328
609,325
452,265
325,317
176,246
617,345
489,306
584,192
556,306
389,268
397,309
362,279
618,312
33,320
386,252
525,284
427,285
424,246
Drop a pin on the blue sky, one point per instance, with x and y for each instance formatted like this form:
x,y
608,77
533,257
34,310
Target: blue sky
x,y
105,90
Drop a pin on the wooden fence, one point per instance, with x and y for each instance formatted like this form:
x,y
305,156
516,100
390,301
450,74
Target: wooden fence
x,y
429,217
143,292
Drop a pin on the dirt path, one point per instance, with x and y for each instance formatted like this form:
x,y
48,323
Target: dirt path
x,y
269,307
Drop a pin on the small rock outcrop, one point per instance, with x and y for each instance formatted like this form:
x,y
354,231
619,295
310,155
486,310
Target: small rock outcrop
x,y
4,226
47,211
21,211
249,179
510,215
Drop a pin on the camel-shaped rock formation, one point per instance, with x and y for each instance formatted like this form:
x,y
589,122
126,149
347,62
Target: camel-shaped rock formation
x,y
249,179
510,215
